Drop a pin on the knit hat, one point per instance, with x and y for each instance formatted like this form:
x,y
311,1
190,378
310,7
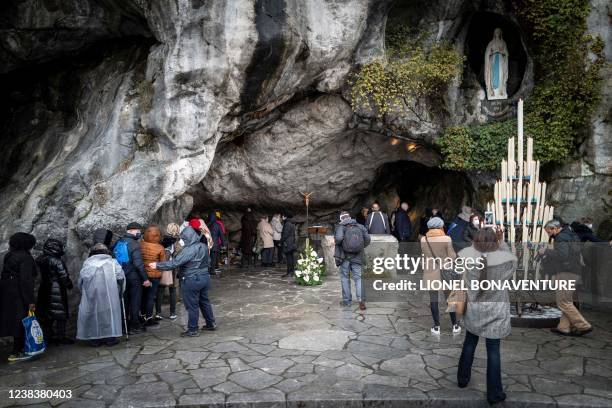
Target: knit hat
x,y
195,224
173,229
435,223
344,215
133,225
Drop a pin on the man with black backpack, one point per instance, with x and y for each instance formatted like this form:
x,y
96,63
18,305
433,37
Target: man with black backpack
x,y
127,252
351,238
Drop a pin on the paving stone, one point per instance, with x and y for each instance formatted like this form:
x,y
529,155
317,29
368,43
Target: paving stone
x,y
228,388
145,395
160,366
191,358
352,371
581,400
273,365
554,386
255,379
207,377
316,340
327,362
209,400
270,398
237,364
568,365
106,393
289,385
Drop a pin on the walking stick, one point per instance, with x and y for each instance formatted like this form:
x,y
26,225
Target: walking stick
x,y
127,336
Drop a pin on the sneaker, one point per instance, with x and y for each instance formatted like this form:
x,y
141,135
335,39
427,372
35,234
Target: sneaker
x,y
111,342
362,306
189,333
151,322
456,329
136,330
345,304
435,330
172,317
159,317
16,357
209,328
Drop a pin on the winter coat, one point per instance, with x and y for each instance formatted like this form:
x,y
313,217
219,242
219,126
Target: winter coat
x,y
455,231
339,253
403,225
52,302
585,233
135,268
488,312
192,260
288,239
469,233
565,257
277,228
441,247
100,307
218,238
248,233
266,234
378,223
152,251
17,284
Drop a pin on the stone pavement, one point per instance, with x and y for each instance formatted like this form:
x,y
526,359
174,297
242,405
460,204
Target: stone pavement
x,y
282,345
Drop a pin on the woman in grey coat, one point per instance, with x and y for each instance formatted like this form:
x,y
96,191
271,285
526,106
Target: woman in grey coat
x,y
488,312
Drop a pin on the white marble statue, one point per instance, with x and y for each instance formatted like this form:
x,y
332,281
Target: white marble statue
x,y
496,67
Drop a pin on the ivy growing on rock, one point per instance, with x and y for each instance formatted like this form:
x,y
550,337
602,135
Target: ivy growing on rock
x,y
408,72
567,90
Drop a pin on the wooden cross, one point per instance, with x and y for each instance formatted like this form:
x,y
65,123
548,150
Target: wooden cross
x,y
307,201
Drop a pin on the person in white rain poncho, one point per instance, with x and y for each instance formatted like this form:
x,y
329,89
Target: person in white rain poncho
x,y
101,280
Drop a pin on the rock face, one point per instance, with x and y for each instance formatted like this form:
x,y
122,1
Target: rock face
x,y
118,111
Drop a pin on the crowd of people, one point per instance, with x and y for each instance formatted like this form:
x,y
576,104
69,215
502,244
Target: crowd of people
x,y
123,282
488,315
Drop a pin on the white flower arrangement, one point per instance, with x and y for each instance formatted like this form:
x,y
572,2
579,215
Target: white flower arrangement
x,y
310,268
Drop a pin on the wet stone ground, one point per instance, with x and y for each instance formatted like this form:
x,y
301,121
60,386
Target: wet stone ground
x,y
282,345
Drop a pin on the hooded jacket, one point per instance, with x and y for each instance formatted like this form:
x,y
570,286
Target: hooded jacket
x,y
193,260
52,302
339,253
17,284
488,312
218,239
152,250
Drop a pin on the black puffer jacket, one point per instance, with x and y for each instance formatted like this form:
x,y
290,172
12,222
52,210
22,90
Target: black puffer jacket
x,y
52,302
17,284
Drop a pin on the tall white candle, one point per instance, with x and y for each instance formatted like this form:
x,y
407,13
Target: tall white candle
x,y
530,155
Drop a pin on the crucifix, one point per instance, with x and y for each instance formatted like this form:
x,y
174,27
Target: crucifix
x,y
307,201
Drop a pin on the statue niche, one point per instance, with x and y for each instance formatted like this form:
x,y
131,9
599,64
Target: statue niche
x,y
496,67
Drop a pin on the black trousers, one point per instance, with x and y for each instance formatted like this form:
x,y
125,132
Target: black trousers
x,y
279,251
290,262
133,302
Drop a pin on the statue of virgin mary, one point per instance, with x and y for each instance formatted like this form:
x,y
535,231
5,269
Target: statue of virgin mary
x,y
496,67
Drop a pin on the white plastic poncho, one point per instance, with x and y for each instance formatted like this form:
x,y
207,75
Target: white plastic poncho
x,y
100,307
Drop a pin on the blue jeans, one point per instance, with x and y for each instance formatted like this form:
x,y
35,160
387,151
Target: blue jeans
x,y
495,389
355,269
195,297
149,295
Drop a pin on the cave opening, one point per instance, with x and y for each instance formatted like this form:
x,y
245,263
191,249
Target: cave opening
x,y
480,33
421,187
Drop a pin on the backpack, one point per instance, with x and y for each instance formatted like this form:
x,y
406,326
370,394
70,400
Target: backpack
x,y
353,240
121,252
455,231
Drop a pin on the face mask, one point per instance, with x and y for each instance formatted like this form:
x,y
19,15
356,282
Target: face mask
x,y
476,222
590,226
138,235
181,243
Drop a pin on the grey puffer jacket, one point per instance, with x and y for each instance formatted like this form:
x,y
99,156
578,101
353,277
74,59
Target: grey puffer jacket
x,y
488,312
192,260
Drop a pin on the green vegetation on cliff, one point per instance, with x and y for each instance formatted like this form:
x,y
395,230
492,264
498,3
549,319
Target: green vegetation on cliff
x,y
567,90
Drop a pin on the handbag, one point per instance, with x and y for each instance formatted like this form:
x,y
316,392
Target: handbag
x,y
166,278
34,339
